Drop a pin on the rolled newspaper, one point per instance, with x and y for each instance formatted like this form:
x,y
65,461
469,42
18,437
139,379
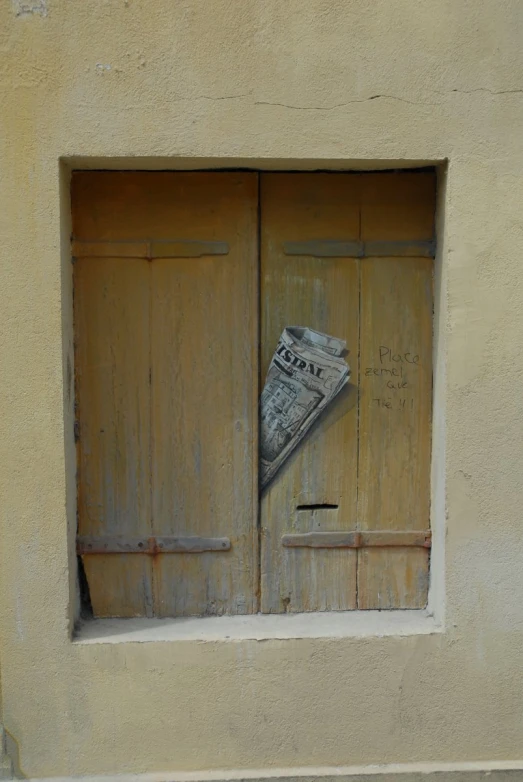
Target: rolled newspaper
x,y
306,373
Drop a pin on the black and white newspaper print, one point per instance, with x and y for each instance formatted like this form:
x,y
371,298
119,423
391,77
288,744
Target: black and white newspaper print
x,y
306,373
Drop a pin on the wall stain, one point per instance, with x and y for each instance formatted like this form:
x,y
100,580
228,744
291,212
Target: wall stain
x,y
33,8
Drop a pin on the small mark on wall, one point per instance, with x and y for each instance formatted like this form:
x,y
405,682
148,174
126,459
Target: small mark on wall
x,y
30,7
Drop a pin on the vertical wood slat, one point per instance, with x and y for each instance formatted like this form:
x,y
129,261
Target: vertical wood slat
x,y
395,410
395,422
321,293
111,305
205,412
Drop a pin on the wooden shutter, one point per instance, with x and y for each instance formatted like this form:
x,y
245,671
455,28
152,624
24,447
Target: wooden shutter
x,y
166,341
351,255
165,290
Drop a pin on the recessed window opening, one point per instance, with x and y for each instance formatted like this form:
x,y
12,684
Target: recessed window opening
x,y
188,287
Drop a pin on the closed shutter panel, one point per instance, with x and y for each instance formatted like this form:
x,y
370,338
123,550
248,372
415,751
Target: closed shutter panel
x,y
368,458
166,330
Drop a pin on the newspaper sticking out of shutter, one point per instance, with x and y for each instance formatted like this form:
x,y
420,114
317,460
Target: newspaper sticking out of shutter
x,y
306,373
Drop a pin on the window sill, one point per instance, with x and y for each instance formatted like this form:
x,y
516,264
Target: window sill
x,y
259,627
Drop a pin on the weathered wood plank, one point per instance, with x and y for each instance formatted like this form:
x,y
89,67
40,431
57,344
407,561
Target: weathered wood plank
x,y
123,206
147,249
398,207
120,544
300,290
335,248
205,400
187,249
395,406
355,539
399,249
395,414
109,249
325,248
111,301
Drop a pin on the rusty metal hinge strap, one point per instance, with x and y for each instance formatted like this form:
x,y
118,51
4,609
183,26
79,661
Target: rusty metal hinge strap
x,y
165,544
358,539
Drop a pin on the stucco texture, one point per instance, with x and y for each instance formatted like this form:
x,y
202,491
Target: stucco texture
x,y
264,83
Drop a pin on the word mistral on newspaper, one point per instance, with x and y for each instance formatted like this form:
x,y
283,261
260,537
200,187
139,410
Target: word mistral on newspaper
x,y
306,373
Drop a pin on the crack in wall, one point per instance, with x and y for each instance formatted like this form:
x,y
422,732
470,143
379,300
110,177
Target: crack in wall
x,y
381,96
346,103
490,92
222,97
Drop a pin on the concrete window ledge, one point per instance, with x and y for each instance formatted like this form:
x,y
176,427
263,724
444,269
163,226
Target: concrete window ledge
x,y
259,627
497,771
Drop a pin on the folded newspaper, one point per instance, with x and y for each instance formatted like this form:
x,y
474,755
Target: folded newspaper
x,y
306,372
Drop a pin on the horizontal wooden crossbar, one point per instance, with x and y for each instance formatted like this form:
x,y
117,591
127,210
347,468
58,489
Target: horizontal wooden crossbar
x,y
357,539
166,544
170,544
339,248
148,249
194,248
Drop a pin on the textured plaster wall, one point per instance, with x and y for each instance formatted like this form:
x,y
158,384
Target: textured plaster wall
x,y
337,83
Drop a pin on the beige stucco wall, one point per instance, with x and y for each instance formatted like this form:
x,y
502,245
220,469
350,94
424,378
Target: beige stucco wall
x,y
265,83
